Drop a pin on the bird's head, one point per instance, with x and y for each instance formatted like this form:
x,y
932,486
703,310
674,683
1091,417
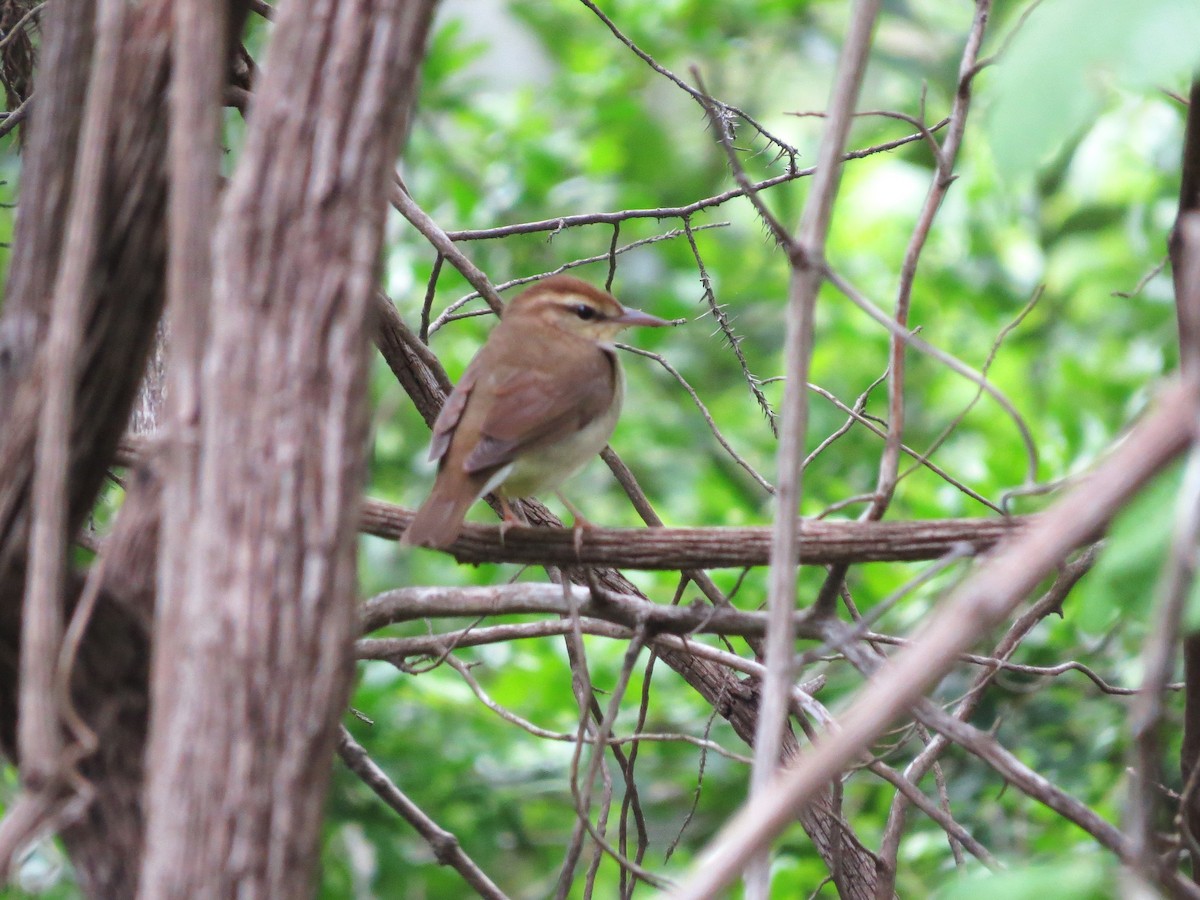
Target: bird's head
x,y
574,306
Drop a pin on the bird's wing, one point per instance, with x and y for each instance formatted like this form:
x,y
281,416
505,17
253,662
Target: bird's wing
x,y
532,406
452,411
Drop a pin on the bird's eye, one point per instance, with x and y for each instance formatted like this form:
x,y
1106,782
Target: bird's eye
x,y
584,311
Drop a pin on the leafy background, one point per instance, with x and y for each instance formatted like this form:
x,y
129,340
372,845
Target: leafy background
x,y
1067,183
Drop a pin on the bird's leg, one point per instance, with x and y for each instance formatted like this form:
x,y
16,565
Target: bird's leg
x,y
578,527
511,516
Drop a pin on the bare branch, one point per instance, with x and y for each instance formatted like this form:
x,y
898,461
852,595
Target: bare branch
x,y
697,95
805,253
944,158
921,459
444,844
712,425
821,542
721,126
670,212
989,749
406,604
448,314
441,242
946,359
725,324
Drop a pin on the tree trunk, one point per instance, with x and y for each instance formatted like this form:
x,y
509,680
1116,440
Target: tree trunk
x,y
121,308
253,654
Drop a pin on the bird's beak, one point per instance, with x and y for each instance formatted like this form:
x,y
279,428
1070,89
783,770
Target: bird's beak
x,y
629,317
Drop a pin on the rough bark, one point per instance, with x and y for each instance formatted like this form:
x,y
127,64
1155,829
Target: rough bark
x,y
126,295
253,669
121,308
673,549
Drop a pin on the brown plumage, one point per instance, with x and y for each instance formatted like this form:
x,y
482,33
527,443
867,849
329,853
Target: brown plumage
x,y
539,399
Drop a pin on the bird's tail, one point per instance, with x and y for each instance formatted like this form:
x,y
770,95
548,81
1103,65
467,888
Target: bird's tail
x,y
439,520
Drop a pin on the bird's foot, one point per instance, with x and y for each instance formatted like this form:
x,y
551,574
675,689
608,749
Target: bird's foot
x,y
579,527
511,517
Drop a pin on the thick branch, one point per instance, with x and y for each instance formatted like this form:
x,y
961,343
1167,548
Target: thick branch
x,y
821,542
407,604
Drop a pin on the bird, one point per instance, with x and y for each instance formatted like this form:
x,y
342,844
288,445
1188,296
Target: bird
x,y
540,398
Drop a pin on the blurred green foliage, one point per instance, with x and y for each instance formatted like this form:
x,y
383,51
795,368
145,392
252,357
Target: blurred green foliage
x,y
1083,877
541,112
1067,181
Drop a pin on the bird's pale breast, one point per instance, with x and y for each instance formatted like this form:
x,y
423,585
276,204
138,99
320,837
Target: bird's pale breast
x,y
544,468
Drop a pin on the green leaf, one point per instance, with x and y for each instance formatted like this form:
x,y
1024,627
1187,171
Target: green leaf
x,y
1064,59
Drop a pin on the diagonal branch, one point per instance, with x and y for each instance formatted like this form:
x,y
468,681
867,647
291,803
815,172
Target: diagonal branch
x,y
980,602
444,844
805,253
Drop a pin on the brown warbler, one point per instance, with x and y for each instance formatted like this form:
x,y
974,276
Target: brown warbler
x,y
539,400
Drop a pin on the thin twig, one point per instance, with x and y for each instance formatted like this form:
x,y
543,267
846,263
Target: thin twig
x,y
430,291
670,212
449,313
944,158
726,325
582,794
866,422
712,425
433,233
445,846
860,404
696,95
951,362
721,126
581,687
945,433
